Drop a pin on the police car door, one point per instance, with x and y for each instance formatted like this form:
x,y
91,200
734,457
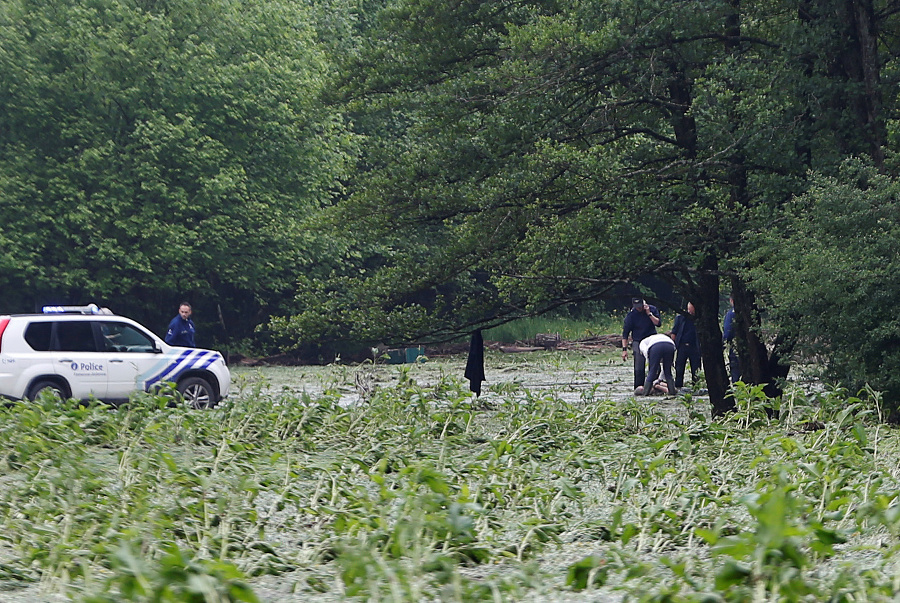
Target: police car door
x,y
130,353
75,357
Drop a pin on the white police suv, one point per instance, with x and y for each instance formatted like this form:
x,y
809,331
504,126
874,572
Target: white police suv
x,y
85,351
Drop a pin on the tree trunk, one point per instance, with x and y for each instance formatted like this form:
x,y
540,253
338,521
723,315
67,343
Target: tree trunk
x,y
706,304
856,70
758,366
863,66
778,369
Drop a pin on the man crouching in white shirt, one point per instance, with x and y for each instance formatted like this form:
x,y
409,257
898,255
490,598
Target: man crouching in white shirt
x,y
659,352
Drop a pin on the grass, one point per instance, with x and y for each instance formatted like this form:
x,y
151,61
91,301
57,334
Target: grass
x,y
525,329
568,328
424,493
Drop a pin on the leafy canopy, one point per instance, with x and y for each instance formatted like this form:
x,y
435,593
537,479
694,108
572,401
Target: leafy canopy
x,y
831,271
160,150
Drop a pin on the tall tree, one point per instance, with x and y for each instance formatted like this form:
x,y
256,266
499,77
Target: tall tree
x,y
843,47
562,150
537,153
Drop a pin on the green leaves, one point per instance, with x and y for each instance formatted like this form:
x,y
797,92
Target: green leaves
x,y
174,578
530,494
526,155
844,225
589,572
164,150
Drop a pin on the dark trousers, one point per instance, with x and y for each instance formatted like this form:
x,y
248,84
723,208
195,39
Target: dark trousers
x,y
735,365
639,364
660,355
685,353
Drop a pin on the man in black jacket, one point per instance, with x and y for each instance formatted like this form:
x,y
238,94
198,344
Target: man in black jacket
x,y
640,322
687,346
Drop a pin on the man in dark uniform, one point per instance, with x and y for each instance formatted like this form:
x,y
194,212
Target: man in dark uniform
x,y
640,322
734,363
181,329
687,347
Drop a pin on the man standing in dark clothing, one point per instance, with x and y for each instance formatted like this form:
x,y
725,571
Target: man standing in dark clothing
x,y
640,322
181,329
687,346
734,362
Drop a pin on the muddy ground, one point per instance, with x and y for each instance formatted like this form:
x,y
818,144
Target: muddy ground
x,y
570,373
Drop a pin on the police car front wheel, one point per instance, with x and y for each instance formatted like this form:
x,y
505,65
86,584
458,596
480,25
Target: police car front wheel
x,y
197,392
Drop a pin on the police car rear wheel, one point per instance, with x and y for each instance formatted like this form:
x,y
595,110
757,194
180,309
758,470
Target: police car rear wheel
x,y
40,386
197,392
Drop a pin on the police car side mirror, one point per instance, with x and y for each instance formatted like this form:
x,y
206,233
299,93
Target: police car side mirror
x,y
156,348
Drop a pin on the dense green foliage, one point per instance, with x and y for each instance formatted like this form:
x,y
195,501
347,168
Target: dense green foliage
x,y
831,268
423,493
158,151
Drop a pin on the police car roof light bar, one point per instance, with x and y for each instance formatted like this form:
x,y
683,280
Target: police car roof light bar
x,y
88,309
